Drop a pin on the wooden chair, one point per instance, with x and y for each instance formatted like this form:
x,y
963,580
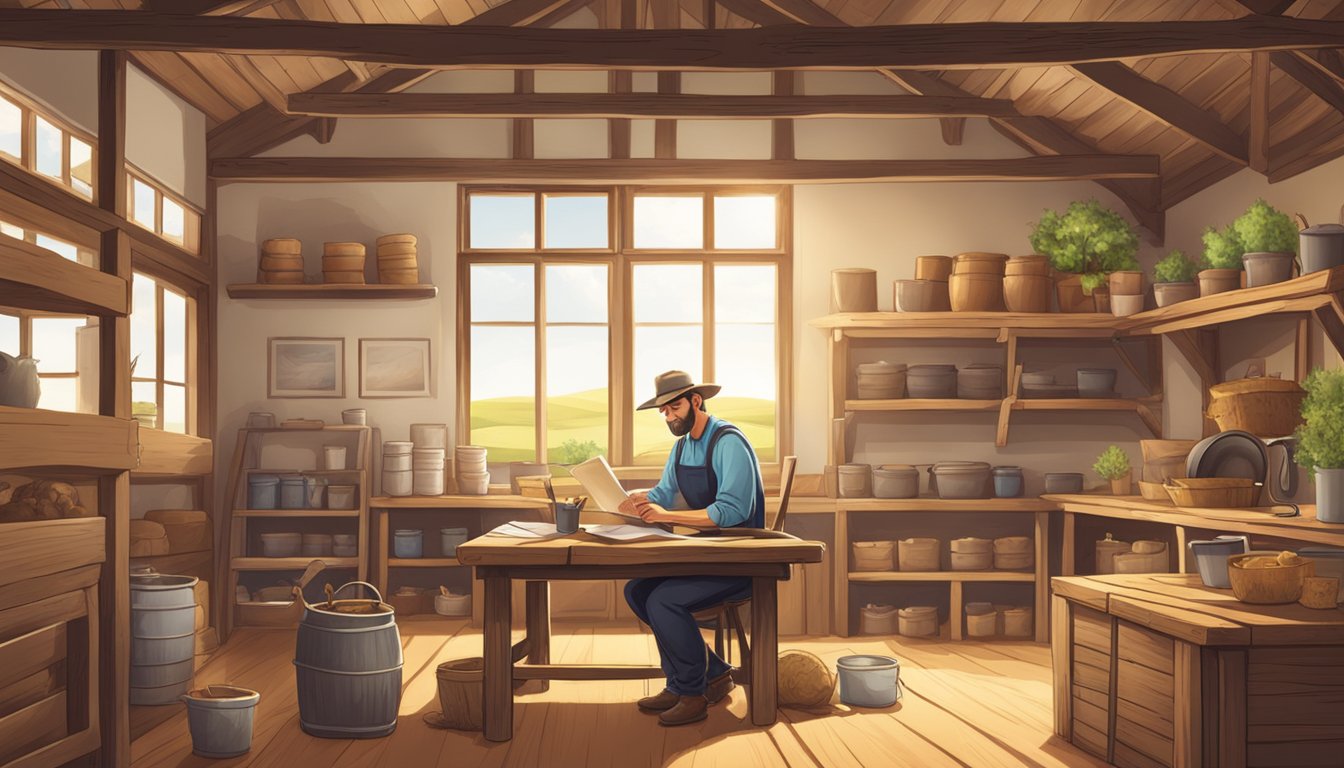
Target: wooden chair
x,y
727,615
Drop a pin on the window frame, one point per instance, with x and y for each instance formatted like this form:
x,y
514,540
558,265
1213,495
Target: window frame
x,y
30,110
621,258
191,351
192,215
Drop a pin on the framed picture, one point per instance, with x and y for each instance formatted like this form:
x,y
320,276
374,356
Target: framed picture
x,y
394,368
305,367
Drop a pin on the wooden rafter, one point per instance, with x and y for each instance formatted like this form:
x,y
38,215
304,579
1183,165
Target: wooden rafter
x,y
518,12
1258,146
322,169
756,11
208,7
1166,105
941,46
1328,60
809,12
1319,82
639,105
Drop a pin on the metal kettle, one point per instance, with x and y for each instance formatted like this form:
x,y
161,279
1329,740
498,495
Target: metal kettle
x,y
1284,480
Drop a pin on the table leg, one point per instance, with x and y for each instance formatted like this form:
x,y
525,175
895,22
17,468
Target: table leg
x,y
764,649
539,626
497,696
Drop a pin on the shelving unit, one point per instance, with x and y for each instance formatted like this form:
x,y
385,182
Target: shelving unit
x,y
332,291
240,559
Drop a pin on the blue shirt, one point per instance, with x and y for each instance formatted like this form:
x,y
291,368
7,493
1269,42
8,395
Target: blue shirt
x,y
734,465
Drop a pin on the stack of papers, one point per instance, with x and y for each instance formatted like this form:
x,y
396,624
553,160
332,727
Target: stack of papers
x,y
523,529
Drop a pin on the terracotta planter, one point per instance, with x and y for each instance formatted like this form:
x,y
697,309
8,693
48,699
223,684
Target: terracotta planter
x,y
976,293
1268,268
936,268
1122,486
1166,294
1069,294
1213,281
1126,283
1101,297
1026,293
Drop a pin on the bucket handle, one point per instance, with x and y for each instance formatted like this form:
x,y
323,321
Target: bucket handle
x,y
372,588
1302,220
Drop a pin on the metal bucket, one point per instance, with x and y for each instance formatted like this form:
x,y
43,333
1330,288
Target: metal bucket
x,y
869,681
163,637
221,726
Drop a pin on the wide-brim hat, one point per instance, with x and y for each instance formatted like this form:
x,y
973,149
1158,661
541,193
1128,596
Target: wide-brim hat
x,y
673,384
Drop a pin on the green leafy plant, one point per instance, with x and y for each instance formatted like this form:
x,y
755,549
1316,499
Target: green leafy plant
x,y
573,452
1089,240
1222,250
1112,464
1175,267
1321,436
1263,228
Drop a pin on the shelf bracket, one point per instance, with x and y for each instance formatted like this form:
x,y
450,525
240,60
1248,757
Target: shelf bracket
x,y
1149,419
1331,318
1005,413
1133,366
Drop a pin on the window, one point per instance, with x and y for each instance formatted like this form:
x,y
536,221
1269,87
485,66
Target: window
x,y
66,350
65,249
575,298
166,215
39,141
159,355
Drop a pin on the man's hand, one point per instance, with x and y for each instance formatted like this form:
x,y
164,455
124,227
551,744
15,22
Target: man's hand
x,y
652,513
631,505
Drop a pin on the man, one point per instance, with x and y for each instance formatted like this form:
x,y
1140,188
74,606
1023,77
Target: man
x,y
713,473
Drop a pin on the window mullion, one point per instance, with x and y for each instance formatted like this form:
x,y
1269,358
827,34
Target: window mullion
x,y
707,333
539,350
160,419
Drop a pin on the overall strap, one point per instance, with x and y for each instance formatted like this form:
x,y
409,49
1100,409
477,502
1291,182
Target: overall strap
x,y
757,518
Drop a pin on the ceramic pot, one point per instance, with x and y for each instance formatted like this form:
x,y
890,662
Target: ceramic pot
x,y
1330,495
1267,268
1038,266
1321,246
976,292
1166,294
979,264
1126,283
1069,294
1213,281
1026,293
935,268
1122,486
920,296
1124,306
853,290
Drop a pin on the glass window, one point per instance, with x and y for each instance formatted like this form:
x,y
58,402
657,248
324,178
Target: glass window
x,y
744,221
174,336
142,204
11,129
575,221
577,347
9,334
503,221
59,394
144,327
745,351
9,230
54,343
503,391
50,149
67,251
144,403
174,408
174,221
160,354
81,167
504,293
669,221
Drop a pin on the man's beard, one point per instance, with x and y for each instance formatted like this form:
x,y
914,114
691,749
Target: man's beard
x,y
679,427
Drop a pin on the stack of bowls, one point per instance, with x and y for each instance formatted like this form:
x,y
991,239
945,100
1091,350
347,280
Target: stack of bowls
x,y
1126,293
427,471
980,381
1039,384
281,262
343,263
473,478
972,554
1026,284
397,468
316,544
882,380
931,381
397,260
976,284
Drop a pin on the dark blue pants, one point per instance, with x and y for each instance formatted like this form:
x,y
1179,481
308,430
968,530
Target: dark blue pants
x,y
666,605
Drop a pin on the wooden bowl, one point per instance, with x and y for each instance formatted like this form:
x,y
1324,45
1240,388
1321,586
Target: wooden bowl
x,y
399,276
976,292
1267,586
342,263
402,238
1213,491
397,262
281,278
281,245
1153,491
398,249
287,263
342,249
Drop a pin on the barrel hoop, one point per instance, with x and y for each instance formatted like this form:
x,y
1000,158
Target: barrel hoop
x,y
347,630
346,728
323,670
161,637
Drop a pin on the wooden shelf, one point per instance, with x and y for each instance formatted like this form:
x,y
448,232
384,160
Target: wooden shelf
x,y
1023,576
289,563
1259,521
36,278
32,437
296,513
301,471
333,291
944,505
490,501
1301,294
170,454
918,404
308,430
982,325
423,562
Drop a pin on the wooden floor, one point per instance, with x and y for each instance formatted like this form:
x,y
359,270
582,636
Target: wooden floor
x,y
966,704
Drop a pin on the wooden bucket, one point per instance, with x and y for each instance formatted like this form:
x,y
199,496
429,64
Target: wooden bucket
x,y
461,684
348,668
853,290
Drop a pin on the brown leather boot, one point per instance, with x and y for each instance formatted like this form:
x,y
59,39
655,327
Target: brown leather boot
x,y
660,702
689,709
719,687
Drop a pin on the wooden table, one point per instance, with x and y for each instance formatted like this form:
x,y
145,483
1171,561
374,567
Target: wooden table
x,y
1161,670
765,557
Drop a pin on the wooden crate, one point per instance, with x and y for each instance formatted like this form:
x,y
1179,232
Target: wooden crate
x,y
44,547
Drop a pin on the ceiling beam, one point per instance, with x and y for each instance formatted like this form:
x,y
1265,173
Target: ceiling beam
x,y
1257,148
1328,60
207,7
756,11
639,105
809,12
333,169
517,13
1324,85
1166,105
940,46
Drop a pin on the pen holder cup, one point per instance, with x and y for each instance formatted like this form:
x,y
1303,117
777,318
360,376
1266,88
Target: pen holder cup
x,y
566,518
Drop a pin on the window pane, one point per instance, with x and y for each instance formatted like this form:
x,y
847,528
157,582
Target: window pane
x,y
66,250
503,392
575,221
659,349
503,293
143,204
576,393
11,128
144,407
57,395
744,294
81,167
9,334
173,226
744,366
668,293
174,408
576,293
144,329
174,337
665,221
503,221
744,221
54,345
9,230
50,148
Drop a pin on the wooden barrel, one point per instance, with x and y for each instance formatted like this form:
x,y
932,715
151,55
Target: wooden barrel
x,y
348,668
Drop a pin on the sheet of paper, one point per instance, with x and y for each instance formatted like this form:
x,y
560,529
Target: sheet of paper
x,y
601,484
525,529
631,532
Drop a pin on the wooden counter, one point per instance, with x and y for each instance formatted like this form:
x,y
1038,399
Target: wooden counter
x,y
1160,670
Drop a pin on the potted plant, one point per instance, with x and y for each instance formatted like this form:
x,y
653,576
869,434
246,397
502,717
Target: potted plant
x,y
1126,282
1174,279
1321,441
1270,238
1113,465
1222,261
1084,244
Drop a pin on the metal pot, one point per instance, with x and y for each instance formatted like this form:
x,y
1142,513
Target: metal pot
x,y
19,385
1322,246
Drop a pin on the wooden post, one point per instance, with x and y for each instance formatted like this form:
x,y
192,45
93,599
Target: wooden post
x,y
954,610
111,179
497,695
1061,661
1042,577
539,626
1302,349
764,649
782,130
1068,558
523,80
1188,738
1232,708
840,556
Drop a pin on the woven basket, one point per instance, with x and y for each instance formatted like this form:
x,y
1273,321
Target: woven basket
x,y
804,680
1262,406
1213,492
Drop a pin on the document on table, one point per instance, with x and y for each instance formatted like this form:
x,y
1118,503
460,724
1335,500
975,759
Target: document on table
x,y
601,484
631,532
527,529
